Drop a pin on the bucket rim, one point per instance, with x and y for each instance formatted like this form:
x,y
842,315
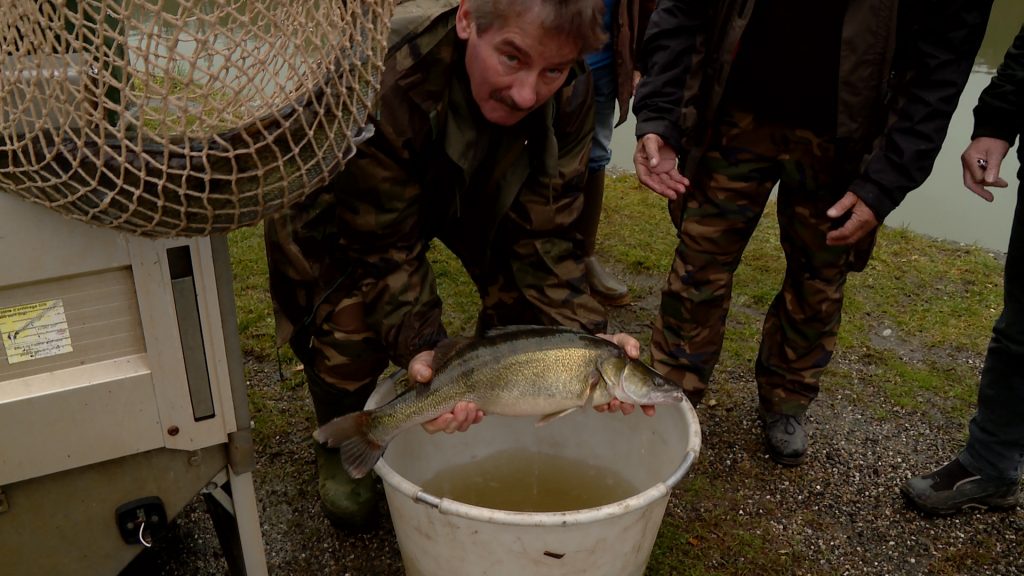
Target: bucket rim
x,y
638,501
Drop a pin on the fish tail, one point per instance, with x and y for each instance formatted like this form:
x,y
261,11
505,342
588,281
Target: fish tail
x,y
351,433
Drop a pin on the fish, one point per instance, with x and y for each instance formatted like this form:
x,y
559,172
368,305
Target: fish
x,y
512,371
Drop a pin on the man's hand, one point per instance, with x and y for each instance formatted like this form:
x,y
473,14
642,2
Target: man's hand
x,y
632,348
464,415
861,221
981,161
655,163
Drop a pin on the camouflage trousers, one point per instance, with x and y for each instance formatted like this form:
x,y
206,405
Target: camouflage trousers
x,y
715,220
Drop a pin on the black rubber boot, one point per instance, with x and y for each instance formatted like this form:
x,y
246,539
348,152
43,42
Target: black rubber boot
x,y
606,288
784,437
347,502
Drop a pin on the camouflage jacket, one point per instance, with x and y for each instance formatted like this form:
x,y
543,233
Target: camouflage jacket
x,y
435,168
902,66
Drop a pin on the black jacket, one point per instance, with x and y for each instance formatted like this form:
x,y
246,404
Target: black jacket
x,y
1000,109
902,68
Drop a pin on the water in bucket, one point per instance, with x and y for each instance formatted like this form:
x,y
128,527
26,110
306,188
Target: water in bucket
x,y
522,480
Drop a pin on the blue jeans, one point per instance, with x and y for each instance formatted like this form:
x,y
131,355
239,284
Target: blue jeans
x,y
604,117
995,447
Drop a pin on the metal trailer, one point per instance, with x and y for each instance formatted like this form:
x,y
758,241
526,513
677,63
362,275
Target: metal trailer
x,y
122,395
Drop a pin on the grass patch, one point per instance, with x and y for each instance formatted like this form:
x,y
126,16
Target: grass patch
x,y
252,292
945,385
939,293
643,238
707,537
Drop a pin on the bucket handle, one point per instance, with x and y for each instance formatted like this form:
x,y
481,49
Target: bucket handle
x,y
428,499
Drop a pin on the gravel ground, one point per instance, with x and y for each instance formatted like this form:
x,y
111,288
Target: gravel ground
x,y
839,513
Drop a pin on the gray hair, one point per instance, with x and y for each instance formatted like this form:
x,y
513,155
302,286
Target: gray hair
x,y
581,20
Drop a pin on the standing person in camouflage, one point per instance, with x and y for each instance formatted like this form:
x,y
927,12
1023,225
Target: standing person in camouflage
x,y
987,472
481,139
614,73
845,105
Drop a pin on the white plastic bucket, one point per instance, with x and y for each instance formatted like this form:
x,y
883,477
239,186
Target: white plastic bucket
x,y
443,537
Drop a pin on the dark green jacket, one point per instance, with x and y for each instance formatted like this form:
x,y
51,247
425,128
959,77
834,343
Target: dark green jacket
x,y
426,173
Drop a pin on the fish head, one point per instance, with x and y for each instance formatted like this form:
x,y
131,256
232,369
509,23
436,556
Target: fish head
x,y
637,383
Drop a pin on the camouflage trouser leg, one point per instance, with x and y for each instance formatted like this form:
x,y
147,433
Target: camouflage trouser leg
x,y
802,323
342,358
715,220
323,323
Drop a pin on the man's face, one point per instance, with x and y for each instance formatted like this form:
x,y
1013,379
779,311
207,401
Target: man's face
x,y
515,68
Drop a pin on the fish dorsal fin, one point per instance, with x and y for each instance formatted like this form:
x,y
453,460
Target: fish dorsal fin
x,y
526,330
403,384
445,349
400,378
421,390
554,416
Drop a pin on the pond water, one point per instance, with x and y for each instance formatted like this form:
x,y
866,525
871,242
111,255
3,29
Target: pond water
x,y
942,206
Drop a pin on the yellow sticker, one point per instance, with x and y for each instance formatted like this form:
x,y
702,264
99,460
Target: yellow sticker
x,y
34,331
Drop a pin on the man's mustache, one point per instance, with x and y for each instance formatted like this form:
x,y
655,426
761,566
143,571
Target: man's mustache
x,y
506,101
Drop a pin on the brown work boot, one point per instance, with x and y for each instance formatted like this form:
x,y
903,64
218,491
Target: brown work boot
x,y
348,503
606,288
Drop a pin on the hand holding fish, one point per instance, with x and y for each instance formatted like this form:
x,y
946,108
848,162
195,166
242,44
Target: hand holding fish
x,y
465,413
632,347
513,371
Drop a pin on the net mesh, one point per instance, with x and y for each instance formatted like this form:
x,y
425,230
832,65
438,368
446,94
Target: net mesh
x,y
183,117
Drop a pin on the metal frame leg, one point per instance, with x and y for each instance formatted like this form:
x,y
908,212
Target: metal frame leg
x,y
231,502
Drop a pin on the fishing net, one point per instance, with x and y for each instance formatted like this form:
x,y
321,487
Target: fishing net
x,y
183,117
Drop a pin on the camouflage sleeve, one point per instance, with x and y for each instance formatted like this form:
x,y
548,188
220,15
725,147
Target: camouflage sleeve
x,y
378,212
545,257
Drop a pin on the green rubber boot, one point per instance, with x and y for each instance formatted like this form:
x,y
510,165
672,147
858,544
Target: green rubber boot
x,y
348,503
